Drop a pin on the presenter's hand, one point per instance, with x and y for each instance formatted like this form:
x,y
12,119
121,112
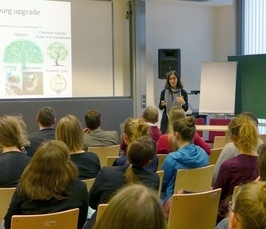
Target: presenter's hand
x,y
163,103
180,99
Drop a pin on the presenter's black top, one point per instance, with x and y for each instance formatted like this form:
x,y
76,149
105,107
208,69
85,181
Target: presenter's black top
x,y
164,120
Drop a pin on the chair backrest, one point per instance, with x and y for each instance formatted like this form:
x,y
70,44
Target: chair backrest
x,y
161,158
216,121
263,137
196,210
200,121
89,183
104,152
65,219
161,174
110,160
100,210
220,141
215,153
194,180
236,190
5,198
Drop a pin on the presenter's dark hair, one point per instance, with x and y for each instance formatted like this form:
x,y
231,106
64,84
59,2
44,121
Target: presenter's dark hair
x,y
179,82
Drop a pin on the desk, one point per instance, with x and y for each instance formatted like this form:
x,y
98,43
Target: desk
x,y
211,128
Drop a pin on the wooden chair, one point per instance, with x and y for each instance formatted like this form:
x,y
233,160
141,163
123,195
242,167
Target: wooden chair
x,y
194,180
220,141
110,160
104,152
5,199
200,121
89,183
65,219
161,174
263,137
195,210
217,121
215,153
161,158
236,190
100,210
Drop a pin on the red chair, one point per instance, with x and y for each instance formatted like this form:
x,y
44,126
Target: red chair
x,y
220,122
200,121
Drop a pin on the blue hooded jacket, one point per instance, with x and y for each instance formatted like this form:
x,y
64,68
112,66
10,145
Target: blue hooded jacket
x,y
187,157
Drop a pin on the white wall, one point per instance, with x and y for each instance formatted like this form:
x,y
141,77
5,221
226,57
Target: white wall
x,y
203,33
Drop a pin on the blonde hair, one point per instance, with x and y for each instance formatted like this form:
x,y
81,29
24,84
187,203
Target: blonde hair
x,y
69,131
133,207
13,132
140,152
49,173
135,128
176,113
243,132
250,205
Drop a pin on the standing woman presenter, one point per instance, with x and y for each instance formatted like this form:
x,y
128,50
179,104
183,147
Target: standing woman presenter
x,y
172,95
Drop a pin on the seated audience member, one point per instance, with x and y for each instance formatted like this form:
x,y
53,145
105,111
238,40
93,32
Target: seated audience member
x,y
13,159
49,184
188,155
241,168
167,143
110,179
94,136
69,131
230,150
133,129
46,120
248,207
150,116
262,162
133,207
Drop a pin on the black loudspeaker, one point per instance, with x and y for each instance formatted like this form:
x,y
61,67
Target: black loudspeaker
x,y
169,60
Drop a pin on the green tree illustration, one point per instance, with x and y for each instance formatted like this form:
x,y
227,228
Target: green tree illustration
x,y
57,51
23,51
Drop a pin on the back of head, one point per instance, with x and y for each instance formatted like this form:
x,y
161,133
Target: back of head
x,y
92,119
13,132
176,113
141,151
133,207
46,116
135,128
243,133
69,130
185,127
249,205
251,116
49,172
262,161
150,114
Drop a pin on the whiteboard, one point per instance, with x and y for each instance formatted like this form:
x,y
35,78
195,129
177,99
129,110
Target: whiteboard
x,y
217,88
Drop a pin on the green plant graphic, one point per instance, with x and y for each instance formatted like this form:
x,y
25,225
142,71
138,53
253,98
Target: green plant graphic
x,y
23,51
57,52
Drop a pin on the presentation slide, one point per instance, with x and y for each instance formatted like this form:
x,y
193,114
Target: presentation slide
x,y
35,47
